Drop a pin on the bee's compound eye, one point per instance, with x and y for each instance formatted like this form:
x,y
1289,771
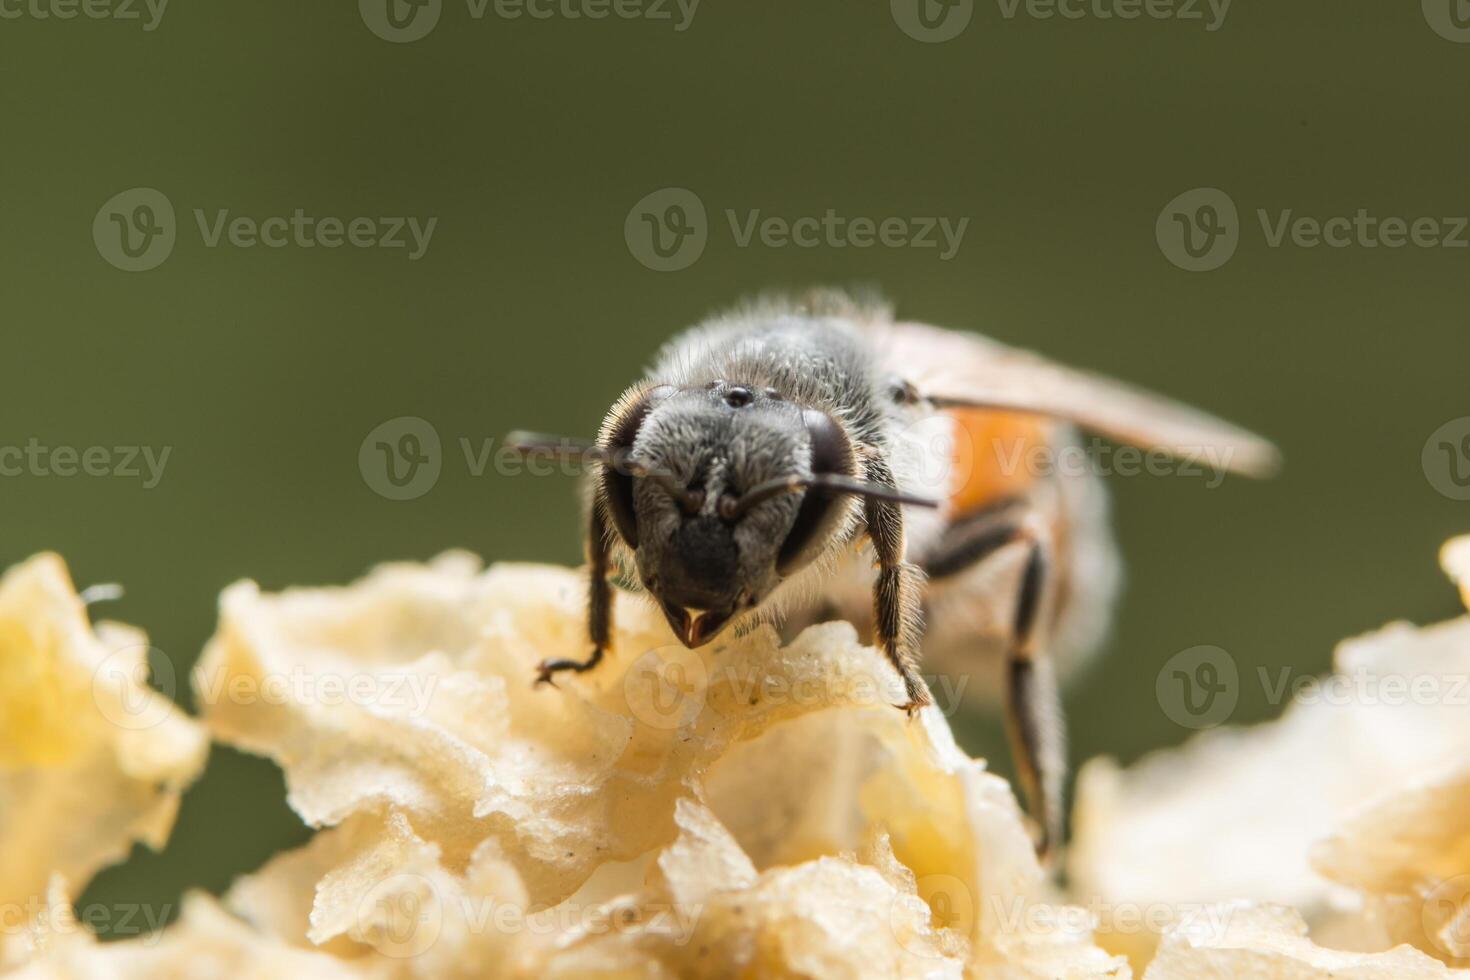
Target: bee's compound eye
x,y
818,514
831,450
739,396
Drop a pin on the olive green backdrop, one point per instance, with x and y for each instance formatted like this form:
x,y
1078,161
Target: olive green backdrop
x,y
530,140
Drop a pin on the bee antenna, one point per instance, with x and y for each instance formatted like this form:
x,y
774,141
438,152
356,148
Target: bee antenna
x,y
621,461
831,482
561,447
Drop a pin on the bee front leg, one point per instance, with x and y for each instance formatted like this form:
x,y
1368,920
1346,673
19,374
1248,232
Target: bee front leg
x,y
897,622
599,602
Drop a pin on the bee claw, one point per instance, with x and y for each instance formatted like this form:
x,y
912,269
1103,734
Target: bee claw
x,y
912,708
547,670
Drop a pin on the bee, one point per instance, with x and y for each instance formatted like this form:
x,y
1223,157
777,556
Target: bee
x,y
794,461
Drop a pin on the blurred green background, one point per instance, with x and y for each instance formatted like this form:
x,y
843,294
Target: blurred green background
x,y
530,140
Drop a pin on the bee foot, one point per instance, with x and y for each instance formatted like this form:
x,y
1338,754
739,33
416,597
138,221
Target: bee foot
x,y
547,670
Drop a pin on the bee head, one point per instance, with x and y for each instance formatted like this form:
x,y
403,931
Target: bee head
x,y
716,496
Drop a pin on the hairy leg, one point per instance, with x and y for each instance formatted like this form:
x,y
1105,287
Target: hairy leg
x,y
599,601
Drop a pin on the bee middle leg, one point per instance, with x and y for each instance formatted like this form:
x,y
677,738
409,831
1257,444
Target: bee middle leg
x,y
1034,722
599,603
897,620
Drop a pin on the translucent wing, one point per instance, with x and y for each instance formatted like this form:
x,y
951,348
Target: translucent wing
x,y
958,370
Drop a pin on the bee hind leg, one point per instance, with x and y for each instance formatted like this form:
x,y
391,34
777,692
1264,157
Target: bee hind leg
x,y
599,604
1034,723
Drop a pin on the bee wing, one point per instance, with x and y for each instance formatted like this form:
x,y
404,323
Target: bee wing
x,y
959,370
